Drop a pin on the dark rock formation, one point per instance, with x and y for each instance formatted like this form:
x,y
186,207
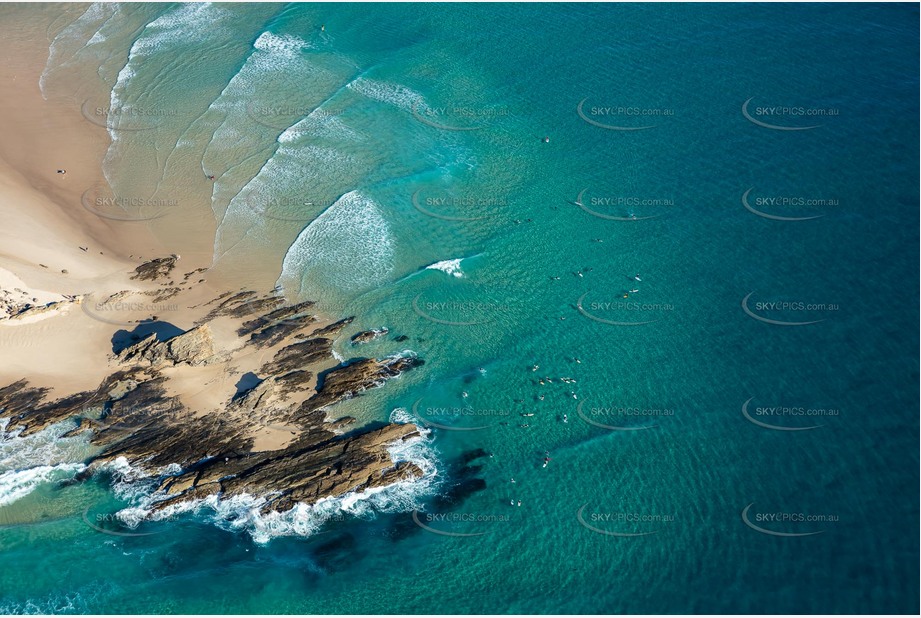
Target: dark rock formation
x,y
194,347
131,415
155,269
368,335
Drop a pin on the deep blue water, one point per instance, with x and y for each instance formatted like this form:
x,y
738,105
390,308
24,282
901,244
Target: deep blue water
x,y
661,495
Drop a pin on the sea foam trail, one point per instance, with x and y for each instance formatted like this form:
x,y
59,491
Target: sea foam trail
x,y
68,44
16,484
243,512
43,457
450,267
348,247
164,43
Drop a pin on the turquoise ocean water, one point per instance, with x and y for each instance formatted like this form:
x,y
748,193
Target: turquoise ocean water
x,y
738,434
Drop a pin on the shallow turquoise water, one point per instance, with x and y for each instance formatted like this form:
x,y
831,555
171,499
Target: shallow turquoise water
x,y
426,146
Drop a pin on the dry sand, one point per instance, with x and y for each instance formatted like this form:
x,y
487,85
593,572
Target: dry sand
x,y
53,248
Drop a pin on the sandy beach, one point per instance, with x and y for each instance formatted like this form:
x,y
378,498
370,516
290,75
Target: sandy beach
x,y
66,282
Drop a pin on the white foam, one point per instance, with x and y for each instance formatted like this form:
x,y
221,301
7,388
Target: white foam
x,y
386,92
82,33
348,247
243,512
43,448
281,44
450,267
16,484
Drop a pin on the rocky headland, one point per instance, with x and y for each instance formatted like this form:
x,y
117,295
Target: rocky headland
x,y
270,435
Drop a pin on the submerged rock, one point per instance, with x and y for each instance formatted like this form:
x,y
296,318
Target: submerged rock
x,y
369,335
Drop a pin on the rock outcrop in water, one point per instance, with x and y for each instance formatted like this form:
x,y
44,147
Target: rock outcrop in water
x,y
132,414
369,335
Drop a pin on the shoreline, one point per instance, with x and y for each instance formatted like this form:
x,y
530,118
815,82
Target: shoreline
x,y
125,327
